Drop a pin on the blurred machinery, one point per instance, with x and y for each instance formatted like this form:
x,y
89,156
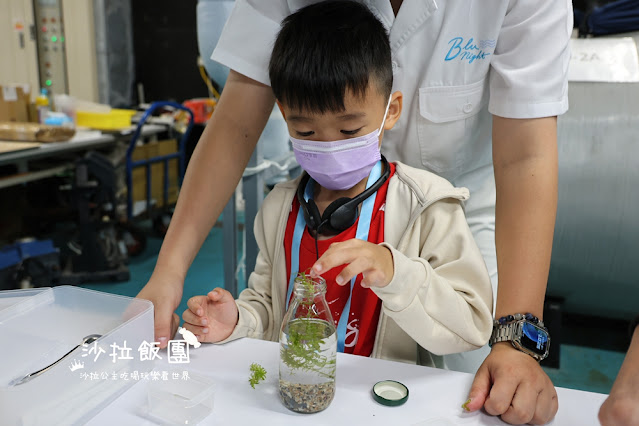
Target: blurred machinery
x,y
99,252
50,41
594,260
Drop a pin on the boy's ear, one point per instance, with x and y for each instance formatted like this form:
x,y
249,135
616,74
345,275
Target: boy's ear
x,y
279,105
394,110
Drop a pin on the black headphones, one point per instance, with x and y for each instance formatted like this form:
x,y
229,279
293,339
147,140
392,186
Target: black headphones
x,y
342,213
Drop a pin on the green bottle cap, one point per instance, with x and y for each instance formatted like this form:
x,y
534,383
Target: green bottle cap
x,y
390,393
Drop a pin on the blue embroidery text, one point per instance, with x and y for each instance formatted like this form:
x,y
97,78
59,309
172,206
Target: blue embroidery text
x,y
468,51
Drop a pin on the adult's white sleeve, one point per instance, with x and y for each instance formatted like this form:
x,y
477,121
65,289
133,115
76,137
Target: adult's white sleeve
x,y
529,69
247,39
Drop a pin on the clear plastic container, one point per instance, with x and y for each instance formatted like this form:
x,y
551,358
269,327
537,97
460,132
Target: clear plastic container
x,y
40,329
43,105
181,402
9,298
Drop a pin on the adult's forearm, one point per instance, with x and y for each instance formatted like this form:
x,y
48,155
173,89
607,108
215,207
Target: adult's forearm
x,y
526,182
215,169
207,187
621,407
630,368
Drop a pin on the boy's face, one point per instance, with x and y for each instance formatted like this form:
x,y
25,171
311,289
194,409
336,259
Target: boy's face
x,y
361,116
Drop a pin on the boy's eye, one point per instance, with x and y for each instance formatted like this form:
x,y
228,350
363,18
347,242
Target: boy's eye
x,y
305,134
351,132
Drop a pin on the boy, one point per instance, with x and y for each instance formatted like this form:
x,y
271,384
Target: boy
x,y
419,278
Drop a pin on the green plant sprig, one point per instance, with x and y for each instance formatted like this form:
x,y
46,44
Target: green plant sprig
x,y
258,373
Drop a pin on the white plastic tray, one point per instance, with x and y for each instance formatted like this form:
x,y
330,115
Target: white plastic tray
x,y
41,328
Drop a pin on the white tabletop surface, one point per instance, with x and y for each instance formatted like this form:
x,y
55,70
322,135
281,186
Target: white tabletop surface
x,y
435,395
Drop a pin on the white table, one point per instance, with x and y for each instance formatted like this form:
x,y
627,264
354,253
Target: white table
x,y
434,393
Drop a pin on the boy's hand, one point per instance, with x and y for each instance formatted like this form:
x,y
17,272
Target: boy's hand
x,y
374,262
213,317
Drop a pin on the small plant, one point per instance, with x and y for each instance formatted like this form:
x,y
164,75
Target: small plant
x,y
258,373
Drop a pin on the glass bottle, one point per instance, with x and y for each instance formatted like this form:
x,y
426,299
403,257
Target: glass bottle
x,y
308,348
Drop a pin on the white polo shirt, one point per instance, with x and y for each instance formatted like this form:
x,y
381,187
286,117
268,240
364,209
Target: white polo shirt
x,y
455,61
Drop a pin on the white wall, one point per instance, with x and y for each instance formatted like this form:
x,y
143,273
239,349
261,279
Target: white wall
x,y
80,39
18,61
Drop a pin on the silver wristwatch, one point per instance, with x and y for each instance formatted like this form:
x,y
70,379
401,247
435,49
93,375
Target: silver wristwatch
x,y
525,335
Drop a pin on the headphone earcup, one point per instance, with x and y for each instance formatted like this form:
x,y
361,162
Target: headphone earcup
x,y
339,216
311,214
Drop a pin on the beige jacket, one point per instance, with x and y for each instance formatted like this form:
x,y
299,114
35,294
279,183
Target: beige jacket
x,y
440,296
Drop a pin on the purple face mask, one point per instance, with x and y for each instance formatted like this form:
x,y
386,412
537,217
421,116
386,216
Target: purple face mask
x,y
339,165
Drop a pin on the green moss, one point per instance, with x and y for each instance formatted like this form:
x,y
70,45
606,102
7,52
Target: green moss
x,y
258,373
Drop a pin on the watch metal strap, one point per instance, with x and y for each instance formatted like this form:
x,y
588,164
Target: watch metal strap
x,y
503,333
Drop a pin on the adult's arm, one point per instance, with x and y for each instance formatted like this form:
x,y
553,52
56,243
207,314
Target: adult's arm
x,y
621,408
525,162
528,89
214,171
510,383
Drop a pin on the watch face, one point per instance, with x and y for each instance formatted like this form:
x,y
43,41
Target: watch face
x,y
534,338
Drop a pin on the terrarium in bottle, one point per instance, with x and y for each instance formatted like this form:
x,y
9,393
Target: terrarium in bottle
x,y
308,348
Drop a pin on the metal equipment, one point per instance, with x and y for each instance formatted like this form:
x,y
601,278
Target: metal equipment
x,y
594,263
131,164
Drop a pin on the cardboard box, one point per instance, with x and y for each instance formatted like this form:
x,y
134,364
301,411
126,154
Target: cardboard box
x,y
33,113
14,103
32,132
151,150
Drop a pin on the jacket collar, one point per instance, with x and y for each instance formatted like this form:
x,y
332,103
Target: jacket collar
x,y
411,16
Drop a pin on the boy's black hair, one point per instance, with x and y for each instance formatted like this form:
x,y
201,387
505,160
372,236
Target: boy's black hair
x,y
326,48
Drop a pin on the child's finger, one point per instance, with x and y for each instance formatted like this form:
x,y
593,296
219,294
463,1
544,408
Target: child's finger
x,y
336,255
219,295
189,317
197,305
356,267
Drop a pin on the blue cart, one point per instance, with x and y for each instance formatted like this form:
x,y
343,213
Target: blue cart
x,y
147,163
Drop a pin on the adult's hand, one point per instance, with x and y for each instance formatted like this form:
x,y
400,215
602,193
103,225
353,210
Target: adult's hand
x,y
512,385
621,408
165,291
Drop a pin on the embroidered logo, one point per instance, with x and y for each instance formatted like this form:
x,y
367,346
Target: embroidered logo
x,y
469,50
